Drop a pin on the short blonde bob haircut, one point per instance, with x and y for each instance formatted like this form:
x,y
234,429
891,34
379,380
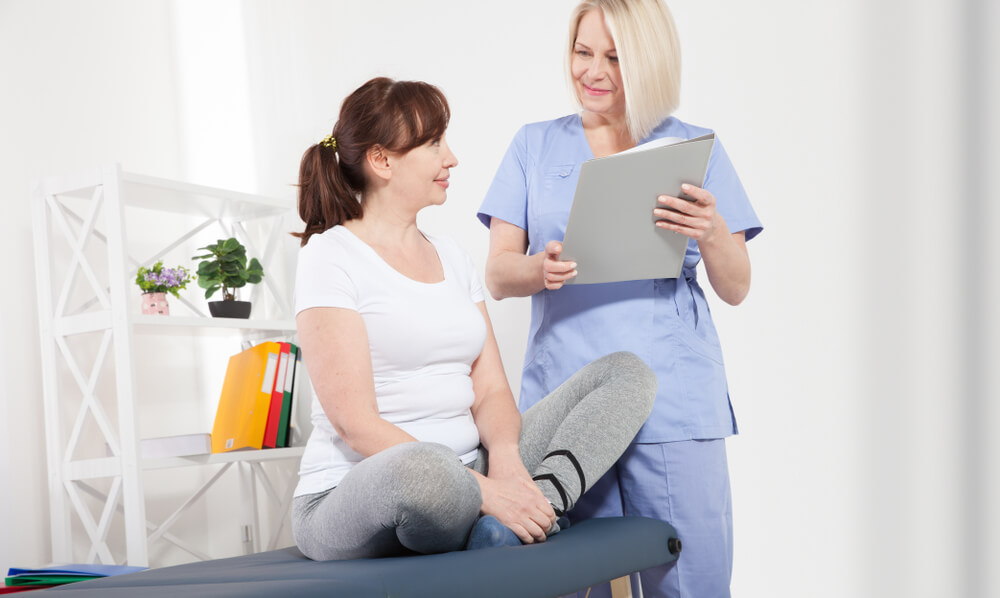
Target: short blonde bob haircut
x,y
649,54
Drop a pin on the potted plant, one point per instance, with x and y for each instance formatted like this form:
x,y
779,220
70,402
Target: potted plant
x,y
156,281
225,267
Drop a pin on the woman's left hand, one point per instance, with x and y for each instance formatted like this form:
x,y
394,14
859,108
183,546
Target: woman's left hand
x,y
513,469
511,473
724,254
696,219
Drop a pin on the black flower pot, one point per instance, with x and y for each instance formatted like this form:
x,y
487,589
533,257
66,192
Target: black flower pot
x,y
229,309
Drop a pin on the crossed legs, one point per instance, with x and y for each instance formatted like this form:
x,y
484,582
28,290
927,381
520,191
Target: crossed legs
x,y
418,497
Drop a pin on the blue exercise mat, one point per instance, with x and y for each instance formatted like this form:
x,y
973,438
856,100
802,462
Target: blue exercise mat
x,y
588,553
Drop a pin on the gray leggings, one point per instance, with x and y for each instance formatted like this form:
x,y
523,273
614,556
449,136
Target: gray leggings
x,y
417,497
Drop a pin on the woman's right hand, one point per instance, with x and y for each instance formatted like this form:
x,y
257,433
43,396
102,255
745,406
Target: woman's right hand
x,y
511,273
555,272
518,504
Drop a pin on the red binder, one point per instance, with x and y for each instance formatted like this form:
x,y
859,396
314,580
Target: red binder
x,y
277,398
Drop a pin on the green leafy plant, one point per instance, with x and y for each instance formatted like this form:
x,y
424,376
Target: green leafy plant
x,y
225,267
157,279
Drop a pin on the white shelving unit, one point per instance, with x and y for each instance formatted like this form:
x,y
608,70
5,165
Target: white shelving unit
x,y
83,224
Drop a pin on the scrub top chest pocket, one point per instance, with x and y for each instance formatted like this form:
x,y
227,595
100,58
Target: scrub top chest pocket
x,y
548,210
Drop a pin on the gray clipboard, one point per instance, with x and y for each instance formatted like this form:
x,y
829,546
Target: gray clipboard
x,y
610,233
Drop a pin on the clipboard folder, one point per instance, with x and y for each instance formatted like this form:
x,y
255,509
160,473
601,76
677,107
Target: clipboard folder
x,y
610,233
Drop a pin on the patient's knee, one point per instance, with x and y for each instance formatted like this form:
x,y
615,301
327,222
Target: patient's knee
x,y
629,370
430,477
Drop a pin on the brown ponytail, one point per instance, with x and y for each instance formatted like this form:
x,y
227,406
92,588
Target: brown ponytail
x,y
394,115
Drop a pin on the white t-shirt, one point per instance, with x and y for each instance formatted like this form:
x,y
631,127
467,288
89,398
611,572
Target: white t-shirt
x,y
423,339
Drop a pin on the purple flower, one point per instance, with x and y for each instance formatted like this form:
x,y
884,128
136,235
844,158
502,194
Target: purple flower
x,y
158,279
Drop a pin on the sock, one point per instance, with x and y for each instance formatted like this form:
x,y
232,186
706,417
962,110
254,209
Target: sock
x,y
488,532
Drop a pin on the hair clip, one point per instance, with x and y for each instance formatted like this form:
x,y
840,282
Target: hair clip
x,y
329,141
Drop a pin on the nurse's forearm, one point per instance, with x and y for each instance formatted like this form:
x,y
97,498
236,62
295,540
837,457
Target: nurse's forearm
x,y
513,274
727,264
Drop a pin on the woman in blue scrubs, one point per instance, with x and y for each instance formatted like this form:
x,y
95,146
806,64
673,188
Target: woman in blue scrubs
x,y
624,62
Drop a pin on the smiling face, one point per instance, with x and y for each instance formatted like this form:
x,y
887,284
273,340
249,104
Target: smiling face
x,y
421,174
596,75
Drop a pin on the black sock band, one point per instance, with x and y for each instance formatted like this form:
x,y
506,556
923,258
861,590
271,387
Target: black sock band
x,y
555,484
576,465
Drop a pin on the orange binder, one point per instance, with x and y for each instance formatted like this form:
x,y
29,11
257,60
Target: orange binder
x,y
277,399
246,396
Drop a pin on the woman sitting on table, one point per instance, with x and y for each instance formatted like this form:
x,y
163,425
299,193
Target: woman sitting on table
x,y
418,445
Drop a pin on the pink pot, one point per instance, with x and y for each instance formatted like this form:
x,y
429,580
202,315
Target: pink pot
x,y
155,303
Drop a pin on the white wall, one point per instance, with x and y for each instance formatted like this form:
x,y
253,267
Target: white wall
x,y
859,365
777,89
84,84
6,548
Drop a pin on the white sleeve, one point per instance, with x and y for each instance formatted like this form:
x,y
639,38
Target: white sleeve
x,y
463,267
475,285
322,278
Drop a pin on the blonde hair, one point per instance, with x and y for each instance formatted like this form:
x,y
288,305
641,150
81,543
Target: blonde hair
x,y
649,53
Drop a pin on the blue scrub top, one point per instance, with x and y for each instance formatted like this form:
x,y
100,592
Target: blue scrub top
x,y
666,322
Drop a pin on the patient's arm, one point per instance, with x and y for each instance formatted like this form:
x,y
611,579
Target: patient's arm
x,y
335,348
509,493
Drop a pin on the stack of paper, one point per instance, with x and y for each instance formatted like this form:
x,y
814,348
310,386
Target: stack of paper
x,y
23,579
182,445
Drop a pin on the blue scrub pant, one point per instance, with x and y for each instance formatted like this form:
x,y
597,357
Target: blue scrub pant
x,y
686,484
